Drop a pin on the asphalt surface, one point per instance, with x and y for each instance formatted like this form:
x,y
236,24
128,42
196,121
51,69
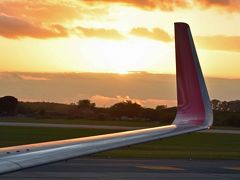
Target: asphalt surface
x,y
22,124
140,169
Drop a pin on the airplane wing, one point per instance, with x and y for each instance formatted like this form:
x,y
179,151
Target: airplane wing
x,y
194,113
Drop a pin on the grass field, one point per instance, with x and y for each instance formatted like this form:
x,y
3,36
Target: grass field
x,y
195,145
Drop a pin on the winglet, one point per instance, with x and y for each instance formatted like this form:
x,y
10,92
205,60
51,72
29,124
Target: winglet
x,y
194,106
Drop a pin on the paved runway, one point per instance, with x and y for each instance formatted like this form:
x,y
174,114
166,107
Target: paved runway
x,y
140,169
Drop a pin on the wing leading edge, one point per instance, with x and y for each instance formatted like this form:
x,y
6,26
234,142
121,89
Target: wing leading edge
x,y
194,113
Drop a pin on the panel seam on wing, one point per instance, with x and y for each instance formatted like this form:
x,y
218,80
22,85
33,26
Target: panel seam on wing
x,y
16,163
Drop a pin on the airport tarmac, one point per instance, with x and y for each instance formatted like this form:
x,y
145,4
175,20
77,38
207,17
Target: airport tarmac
x,y
140,169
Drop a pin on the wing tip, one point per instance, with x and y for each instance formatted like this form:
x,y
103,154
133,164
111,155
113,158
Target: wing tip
x,y
183,24
193,101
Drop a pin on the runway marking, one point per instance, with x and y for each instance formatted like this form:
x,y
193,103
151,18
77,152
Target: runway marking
x,y
233,168
162,168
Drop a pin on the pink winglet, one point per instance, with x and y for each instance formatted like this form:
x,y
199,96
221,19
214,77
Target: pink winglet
x,y
194,107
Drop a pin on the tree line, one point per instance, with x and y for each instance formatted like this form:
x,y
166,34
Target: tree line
x,y
225,113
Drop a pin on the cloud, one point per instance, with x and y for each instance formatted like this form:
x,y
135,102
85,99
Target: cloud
x,y
156,34
109,101
166,5
59,12
45,10
170,5
100,33
33,78
218,42
226,5
225,43
12,27
106,89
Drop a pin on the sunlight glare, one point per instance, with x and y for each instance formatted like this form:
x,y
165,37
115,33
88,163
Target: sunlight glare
x,y
124,56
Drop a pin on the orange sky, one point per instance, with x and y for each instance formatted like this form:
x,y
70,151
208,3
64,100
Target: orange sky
x,y
116,35
105,89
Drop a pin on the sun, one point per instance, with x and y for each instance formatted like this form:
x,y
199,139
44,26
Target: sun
x,y
121,57
122,71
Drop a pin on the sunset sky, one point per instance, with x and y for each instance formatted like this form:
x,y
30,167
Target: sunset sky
x,y
86,49
116,36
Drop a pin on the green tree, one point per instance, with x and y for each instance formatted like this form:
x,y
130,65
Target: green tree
x,y
126,108
160,107
8,104
85,103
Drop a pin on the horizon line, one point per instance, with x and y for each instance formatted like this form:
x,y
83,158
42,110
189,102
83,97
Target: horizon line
x,y
113,73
